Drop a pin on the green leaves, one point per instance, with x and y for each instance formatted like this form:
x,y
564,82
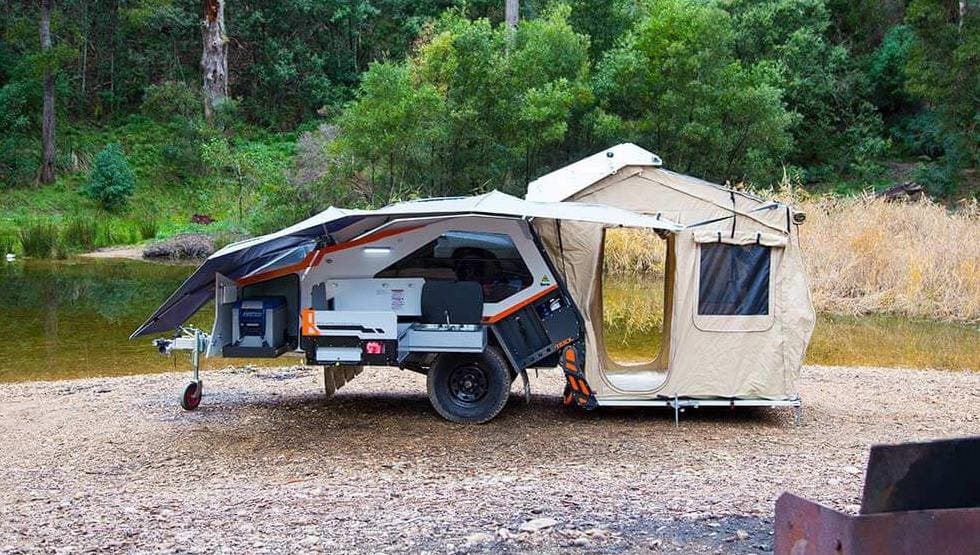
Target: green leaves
x,y
677,87
111,181
943,69
469,109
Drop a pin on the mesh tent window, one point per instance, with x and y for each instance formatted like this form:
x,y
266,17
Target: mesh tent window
x,y
734,280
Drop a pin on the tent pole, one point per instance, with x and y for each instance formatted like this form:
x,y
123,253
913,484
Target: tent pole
x,y
677,412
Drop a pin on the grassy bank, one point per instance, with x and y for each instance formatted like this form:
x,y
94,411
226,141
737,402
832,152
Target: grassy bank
x,y
174,181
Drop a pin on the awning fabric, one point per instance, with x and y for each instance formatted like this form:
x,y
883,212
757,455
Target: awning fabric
x,y
242,258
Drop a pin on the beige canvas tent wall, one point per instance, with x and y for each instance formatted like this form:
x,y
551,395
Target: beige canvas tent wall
x,y
750,356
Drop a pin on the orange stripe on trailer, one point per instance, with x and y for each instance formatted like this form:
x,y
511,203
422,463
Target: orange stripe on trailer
x,y
313,258
501,315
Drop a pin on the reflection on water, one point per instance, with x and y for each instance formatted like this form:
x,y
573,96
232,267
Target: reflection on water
x,y
880,340
67,319
72,318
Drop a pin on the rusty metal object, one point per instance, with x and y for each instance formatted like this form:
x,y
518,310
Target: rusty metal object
x,y
941,474
918,498
804,528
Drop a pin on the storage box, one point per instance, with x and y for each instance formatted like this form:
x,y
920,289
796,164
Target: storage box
x,y
258,328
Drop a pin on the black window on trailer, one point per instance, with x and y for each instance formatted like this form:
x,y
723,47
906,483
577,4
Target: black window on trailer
x,y
490,259
734,280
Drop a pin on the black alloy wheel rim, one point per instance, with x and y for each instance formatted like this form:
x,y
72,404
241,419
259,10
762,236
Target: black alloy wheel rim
x,y
468,384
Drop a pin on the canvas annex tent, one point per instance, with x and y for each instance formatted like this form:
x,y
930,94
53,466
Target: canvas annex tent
x,y
737,308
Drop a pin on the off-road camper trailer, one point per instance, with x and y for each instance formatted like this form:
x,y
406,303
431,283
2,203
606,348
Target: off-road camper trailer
x,y
473,291
460,289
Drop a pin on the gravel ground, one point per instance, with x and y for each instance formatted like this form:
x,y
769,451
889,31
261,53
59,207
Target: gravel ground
x,y
268,465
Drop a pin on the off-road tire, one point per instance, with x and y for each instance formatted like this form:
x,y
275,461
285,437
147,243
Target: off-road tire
x,y
489,375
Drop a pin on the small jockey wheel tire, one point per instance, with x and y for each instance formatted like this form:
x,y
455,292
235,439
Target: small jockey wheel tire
x,y
191,398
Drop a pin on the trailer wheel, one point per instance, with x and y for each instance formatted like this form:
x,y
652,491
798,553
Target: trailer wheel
x,y
192,395
469,389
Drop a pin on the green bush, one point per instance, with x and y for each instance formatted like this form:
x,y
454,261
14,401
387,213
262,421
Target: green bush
x,y
170,99
39,238
80,232
19,153
8,243
111,181
939,178
148,227
131,233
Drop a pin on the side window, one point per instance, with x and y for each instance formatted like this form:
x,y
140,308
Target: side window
x,y
490,259
734,280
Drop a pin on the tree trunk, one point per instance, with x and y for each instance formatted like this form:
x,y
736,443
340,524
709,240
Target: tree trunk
x,y
47,121
214,58
511,10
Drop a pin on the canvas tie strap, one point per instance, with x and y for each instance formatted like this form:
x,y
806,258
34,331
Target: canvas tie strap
x,y
708,222
734,212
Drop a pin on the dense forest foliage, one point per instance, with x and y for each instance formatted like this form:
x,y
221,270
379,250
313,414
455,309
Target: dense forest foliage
x,y
357,102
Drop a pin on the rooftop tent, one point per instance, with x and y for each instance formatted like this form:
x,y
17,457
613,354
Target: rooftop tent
x,y
737,314
292,244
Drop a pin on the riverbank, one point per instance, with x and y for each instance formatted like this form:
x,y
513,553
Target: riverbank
x,y
128,252
267,464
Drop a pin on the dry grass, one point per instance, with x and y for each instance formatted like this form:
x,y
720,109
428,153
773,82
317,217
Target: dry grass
x,y
869,256
631,252
864,256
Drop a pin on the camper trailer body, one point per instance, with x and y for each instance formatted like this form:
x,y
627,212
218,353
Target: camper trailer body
x,y
442,295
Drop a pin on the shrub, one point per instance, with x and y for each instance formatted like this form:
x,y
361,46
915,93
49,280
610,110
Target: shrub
x,y
105,235
8,243
170,99
39,238
19,155
939,178
131,233
80,232
111,181
148,227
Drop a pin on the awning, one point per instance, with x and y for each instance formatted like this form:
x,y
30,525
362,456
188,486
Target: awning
x,y
242,258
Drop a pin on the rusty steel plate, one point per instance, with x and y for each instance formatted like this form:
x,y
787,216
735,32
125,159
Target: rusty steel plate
x,y
807,528
943,474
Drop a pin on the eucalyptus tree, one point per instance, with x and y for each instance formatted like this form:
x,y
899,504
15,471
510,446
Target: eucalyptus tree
x,y
214,56
47,173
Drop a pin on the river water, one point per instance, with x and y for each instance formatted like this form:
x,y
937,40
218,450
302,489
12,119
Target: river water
x,y
72,318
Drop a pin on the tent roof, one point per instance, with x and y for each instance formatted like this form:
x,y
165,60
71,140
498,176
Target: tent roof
x,y
242,258
565,182
496,203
